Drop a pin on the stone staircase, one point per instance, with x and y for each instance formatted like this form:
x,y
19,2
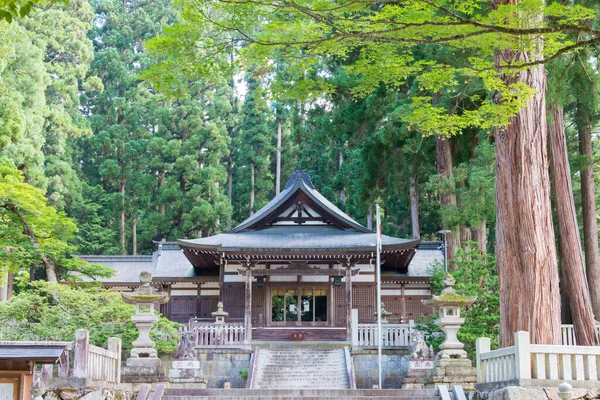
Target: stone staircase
x,y
293,368
303,394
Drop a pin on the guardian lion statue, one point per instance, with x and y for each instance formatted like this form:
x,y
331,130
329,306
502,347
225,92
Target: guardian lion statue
x,y
419,349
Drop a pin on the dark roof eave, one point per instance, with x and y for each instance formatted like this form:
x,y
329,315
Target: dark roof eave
x,y
296,250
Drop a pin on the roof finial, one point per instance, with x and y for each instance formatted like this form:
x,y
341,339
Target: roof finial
x,y
300,174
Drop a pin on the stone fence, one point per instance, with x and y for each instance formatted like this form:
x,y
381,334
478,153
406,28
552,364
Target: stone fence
x,y
526,364
568,334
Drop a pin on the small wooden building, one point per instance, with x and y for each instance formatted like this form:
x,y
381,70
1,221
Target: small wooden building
x,y
299,264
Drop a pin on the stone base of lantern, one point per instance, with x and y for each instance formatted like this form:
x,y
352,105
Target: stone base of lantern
x,y
454,371
143,369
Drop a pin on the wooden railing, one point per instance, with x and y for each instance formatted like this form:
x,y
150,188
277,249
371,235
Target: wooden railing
x,y
392,335
88,362
536,362
105,364
568,334
213,335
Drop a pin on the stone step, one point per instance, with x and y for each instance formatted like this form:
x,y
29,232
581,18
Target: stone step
x,y
304,368
301,394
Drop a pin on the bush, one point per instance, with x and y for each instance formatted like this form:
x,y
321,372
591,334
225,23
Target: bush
x,y
55,311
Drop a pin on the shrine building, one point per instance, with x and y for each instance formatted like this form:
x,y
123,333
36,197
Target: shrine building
x,y
298,264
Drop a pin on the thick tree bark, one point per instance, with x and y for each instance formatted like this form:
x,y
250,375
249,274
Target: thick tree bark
x,y
278,166
569,243
251,206
480,236
47,262
588,204
414,206
443,158
525,250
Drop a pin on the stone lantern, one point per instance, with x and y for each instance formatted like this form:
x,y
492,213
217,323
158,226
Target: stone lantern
x,y
143,354
220,315
449,303
452,356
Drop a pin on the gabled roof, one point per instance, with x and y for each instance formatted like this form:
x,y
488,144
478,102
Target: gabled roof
x,y
298,223
300,182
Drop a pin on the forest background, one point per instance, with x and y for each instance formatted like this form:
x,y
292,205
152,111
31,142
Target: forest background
x,y
132,161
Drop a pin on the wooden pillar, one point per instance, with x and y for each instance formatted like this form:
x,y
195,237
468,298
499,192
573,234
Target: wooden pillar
x,y
221,278
348,303
404,316
248,308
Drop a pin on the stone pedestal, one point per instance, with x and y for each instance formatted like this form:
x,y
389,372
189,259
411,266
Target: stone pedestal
x,y
417,374
451,366
143,365
187,372
449,372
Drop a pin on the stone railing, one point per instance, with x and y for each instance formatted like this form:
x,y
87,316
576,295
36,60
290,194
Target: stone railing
x,y
93,364
526,364
218,335
392,335
568,334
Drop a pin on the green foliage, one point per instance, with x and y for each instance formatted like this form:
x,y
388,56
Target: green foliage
x,y
10,9
475,275
56,311
473,184
383,44
33,233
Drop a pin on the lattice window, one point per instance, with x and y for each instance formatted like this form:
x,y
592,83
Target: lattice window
x,y
234,296
208,304
259,298
363,299
339,293
414,308
183,308
393,304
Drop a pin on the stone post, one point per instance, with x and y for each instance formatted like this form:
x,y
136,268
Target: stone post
x,y
80,354
354,326
522,355
114,345
482,345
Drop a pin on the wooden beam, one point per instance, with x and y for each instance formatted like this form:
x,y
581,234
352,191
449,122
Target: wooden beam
x,y
299,271
348,304
248,308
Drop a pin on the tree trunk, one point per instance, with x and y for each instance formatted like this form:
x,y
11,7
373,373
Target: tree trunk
x,y
251,189
133,226
122,225
229,186
370,218
525,250
414,207
278,166
341,162
161,181
47,262
588,204
568,232
443,158
480,236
